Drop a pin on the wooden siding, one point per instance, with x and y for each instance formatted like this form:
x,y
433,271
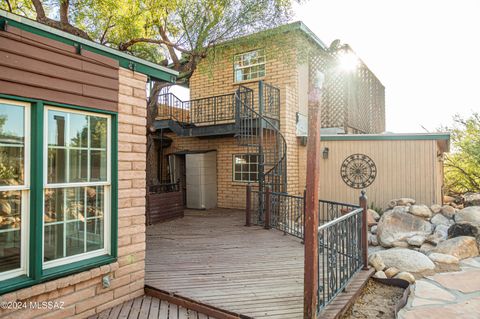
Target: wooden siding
x,y
405,168
164,206
37,67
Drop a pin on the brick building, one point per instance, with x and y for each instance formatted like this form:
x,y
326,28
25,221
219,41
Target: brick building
x,y
273,69
72,178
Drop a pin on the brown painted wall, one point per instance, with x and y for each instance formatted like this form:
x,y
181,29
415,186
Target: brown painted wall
x,y
37,67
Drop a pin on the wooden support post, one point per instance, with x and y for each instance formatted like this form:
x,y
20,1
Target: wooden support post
x,y
363,205
310,295
268,194
248,205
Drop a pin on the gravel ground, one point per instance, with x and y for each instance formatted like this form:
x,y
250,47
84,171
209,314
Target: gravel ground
x,y
376,301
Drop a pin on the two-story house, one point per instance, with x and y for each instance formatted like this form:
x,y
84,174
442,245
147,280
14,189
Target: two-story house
x,y
246,120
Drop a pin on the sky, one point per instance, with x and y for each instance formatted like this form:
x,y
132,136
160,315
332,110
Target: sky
x,y
425,52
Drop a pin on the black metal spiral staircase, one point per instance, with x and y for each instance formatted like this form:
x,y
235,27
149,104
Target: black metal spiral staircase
x,y
252,116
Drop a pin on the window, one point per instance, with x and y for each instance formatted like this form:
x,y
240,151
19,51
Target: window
x,y
58,191
14,186
76,211
250,65
245,168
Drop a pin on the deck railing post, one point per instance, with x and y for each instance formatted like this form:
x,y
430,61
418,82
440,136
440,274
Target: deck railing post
x,y
363,205
248,205
268,194
310,294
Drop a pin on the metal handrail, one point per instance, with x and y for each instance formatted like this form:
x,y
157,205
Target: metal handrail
x,y
339,219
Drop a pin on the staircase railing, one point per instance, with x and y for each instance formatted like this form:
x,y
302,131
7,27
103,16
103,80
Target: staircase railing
x,y
260,133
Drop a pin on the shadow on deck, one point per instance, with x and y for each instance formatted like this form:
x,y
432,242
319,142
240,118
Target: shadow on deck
x,y
212,258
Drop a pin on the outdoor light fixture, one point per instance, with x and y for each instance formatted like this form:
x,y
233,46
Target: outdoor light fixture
x,y
348,61
325,153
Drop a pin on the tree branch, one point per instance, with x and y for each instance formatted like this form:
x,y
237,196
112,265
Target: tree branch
x,y
9,5
64,11
39,9
126,45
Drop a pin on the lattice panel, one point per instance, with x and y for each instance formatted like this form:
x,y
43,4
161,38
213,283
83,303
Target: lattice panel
x,y
351,99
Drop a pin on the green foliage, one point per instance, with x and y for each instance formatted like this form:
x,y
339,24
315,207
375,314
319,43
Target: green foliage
x,y
462,166
175,32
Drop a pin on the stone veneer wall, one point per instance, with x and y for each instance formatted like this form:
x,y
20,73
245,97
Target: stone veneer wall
x,y
82,293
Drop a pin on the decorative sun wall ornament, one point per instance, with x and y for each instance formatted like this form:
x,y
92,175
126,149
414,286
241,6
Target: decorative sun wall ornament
x,y
358,171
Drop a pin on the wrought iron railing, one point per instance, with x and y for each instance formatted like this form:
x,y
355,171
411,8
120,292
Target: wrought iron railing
x,y
205,111
339,254
287,212
218,109
340,246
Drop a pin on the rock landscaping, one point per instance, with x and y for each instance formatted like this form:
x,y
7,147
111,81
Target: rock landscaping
x,y
411,240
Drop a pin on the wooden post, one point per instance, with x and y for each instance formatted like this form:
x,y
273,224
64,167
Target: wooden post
x,y
248,205
268,194
363,205
310,295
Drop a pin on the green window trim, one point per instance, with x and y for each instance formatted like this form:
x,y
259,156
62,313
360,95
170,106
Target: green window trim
x,y
36,274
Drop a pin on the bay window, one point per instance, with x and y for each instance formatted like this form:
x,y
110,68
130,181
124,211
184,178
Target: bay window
x,y
57,193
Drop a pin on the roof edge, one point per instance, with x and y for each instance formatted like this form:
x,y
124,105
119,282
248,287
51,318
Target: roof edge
x,y
387,137
22,22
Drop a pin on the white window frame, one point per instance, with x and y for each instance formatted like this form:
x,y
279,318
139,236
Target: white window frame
x,y
106,250
25,191
245,68
246,172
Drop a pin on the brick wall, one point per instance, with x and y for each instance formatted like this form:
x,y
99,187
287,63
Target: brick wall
x,y
284,69
82,293
230,194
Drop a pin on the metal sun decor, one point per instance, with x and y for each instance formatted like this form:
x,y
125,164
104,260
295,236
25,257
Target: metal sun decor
x,y
358,171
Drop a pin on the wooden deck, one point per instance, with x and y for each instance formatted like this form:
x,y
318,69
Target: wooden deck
x,y
147,307
210,257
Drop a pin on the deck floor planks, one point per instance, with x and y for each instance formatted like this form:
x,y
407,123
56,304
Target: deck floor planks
x,y
148,307
210,257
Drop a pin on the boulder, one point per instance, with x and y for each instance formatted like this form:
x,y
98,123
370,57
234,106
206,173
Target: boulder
x,y
401,209
372,240
440,234
471,200
391,272
448,211
405,276
373,230
400,244
443,258
380,274
426,248
416,240
420,211
376,261
461,247
401,202
435,208
448,199
372,217
439,219
397,226
469,214
464,229
405,260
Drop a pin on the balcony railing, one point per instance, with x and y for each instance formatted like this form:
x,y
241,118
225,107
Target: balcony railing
x,y
218,109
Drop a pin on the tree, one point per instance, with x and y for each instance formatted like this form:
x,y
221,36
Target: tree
x,y
462,166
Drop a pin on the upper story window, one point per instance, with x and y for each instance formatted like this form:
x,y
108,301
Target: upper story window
x,y
249,65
